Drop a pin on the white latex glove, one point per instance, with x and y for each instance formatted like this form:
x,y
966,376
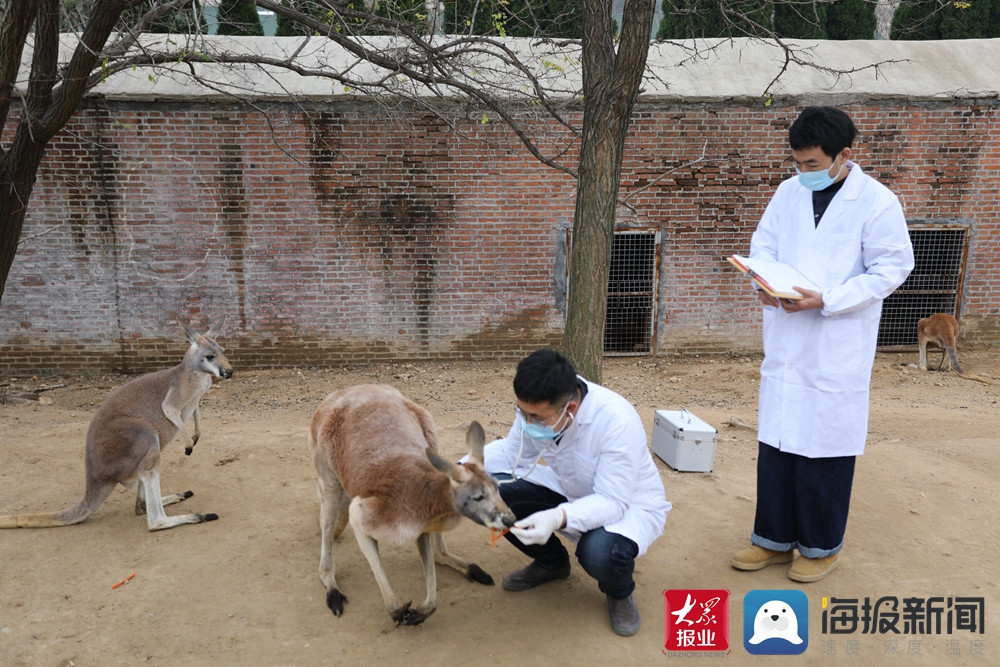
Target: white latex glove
x,y
538,528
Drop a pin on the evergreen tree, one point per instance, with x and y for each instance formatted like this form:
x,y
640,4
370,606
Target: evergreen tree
x,y
966,20
516,18
239,17
74,15
916,20
851,19
801,19
993,27
412,12
178,22
288,28
690,19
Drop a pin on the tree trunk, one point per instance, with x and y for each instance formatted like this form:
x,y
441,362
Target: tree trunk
x,y
610,87
48,107
18,168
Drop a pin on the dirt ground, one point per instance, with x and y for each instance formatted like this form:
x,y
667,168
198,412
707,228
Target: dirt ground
x,y
244,590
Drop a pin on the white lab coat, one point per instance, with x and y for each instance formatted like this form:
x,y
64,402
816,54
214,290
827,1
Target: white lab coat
x,y
817,363
602,465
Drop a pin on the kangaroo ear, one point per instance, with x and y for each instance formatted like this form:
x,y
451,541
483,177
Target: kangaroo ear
x,y
189,333
216,328
475,438
447,467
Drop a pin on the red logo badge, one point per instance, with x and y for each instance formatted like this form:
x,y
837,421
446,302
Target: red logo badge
x,y
696,620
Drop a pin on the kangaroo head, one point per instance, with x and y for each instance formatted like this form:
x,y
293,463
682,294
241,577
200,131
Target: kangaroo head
x,y
207,355
476,493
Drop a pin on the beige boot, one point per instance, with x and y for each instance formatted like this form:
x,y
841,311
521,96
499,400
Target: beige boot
x,y
808,570
756,558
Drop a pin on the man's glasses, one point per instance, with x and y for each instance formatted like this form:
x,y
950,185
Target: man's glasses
x,y
540,422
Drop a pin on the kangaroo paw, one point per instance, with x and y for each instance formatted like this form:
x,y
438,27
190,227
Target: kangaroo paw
x,y
416,616
399,613
477,574
335,601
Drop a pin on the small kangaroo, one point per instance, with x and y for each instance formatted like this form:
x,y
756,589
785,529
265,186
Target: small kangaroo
x,y
941,331
131,428
376,457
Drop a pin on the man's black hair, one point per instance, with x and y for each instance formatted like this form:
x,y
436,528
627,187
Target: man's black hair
x,y
827,127
545,376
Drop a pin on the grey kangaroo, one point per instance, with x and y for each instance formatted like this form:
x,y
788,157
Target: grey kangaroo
x,y
132,427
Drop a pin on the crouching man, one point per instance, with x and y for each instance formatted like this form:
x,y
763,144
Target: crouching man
x,y
600,488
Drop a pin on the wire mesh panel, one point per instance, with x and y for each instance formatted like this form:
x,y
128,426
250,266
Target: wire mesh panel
x,y
631,319
934,286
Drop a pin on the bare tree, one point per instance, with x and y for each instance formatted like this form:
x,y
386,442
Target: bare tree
x,y
386,56
611,80
52,93
389,52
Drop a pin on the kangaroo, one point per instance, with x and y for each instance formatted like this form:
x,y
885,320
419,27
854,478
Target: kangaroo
x,y
131,428
376,457
941,331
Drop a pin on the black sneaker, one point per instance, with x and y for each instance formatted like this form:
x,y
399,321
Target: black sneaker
x,y
625,620
534,575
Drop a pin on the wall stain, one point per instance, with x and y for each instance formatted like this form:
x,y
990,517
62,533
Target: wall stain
x,y
393,208
108,200
234,211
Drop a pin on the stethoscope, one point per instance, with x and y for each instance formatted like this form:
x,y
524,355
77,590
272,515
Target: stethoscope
x,y
520,451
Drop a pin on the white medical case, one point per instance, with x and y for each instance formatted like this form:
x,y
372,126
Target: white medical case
x,y
684,441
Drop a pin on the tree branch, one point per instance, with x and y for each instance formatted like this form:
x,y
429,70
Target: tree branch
x,y
74,83
14,30
44,58
624,200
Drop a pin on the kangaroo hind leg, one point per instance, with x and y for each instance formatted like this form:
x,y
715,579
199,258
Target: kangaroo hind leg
x,y
140,498
156,518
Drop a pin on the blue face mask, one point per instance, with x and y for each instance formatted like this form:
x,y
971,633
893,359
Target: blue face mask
x,y
818,180
540,432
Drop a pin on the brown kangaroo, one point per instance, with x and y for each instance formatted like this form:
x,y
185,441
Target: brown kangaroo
x,y
376,457
941,331
132,427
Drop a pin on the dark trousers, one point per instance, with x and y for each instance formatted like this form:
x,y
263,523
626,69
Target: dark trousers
x,y
802,502
607,557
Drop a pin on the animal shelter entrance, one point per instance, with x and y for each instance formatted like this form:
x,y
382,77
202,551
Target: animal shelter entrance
x,y
934,285
630,326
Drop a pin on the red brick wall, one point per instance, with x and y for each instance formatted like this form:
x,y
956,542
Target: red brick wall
x,y
356,237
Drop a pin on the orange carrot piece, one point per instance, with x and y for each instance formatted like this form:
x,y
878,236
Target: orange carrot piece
x,y
494,536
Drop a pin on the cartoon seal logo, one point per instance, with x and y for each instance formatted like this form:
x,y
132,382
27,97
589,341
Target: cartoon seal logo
x,y
775,620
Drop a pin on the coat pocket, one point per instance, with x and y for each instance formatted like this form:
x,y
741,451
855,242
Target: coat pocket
x,y
579,481
843,251
841,343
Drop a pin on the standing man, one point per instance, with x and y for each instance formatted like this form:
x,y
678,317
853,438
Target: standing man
x,y
846,232
600,488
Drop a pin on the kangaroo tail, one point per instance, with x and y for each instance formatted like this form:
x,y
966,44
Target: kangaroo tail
x,y
90,503
970,376
954,358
